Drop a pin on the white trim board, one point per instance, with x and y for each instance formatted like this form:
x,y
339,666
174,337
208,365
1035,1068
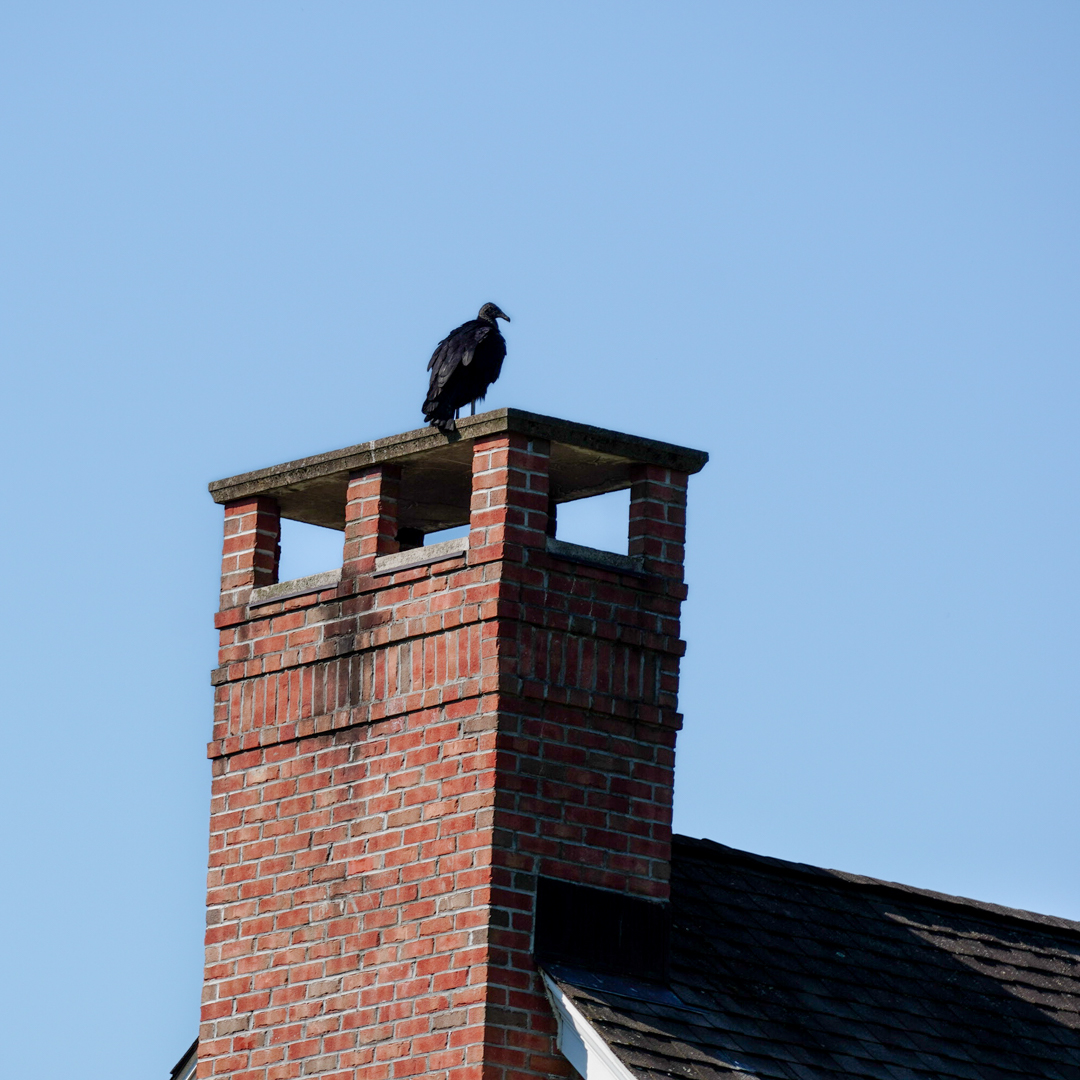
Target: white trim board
x,y
581,1044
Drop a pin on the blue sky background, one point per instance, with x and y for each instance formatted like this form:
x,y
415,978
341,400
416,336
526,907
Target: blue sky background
x,y
834,244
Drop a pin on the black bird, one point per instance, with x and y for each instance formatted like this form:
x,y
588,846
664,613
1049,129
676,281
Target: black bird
x,y
464,364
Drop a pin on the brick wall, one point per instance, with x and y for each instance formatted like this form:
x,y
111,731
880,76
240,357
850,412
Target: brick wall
x,y
397,758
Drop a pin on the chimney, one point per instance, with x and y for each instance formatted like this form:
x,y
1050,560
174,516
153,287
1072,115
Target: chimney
x,y
410,750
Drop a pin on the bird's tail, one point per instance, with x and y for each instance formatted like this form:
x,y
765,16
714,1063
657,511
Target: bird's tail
x,y
439,416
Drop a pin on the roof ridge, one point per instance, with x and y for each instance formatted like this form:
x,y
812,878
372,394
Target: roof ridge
x,y
877,885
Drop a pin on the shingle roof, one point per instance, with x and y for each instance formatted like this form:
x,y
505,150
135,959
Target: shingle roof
x,y
780,970
184,1069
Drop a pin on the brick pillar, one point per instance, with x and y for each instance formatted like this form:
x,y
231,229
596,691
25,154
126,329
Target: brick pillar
x,y
371,517
509,507
658,518
252,548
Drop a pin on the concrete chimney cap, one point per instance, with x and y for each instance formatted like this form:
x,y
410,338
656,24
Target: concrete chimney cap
x,y
437,471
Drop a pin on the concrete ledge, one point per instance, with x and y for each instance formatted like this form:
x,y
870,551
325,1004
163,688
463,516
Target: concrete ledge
x,y
411,444
421,556
609,560
436,476
300,586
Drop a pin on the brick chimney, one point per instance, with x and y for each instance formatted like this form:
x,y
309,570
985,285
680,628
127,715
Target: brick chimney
x,y
404,747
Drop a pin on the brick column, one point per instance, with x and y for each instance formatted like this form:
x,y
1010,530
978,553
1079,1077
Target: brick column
x,y
252,548
371,513
658,519
509,508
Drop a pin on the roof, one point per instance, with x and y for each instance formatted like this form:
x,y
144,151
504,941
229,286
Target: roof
x,y
783,970
436,479
184,1069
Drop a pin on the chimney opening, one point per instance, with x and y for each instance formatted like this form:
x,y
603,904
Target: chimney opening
x,y
603,931
458,532
308,549
599,521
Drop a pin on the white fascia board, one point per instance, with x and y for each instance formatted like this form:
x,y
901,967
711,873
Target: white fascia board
x,y
580,1043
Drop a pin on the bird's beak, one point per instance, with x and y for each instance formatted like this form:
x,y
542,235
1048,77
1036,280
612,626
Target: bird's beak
x,y
503,315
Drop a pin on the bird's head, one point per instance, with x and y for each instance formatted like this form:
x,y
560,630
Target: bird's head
x,y
491,312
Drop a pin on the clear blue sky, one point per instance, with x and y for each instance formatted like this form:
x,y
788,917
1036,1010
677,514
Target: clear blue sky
x,y
834,244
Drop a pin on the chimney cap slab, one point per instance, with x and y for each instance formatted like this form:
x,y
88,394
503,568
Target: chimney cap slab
x,y
437,469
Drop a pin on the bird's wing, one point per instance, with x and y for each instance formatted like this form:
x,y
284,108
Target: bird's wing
x,y
458,347
475,338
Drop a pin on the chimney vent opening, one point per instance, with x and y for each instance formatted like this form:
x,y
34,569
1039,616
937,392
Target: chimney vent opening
x,y
308,549
599,521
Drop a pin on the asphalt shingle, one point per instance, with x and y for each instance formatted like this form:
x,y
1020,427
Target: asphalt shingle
x,y
788,972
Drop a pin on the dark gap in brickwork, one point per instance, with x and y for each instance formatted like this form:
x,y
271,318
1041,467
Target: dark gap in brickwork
x,y
600,930
408,538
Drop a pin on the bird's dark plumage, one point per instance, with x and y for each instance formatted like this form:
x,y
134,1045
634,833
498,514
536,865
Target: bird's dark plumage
x,y
464,364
